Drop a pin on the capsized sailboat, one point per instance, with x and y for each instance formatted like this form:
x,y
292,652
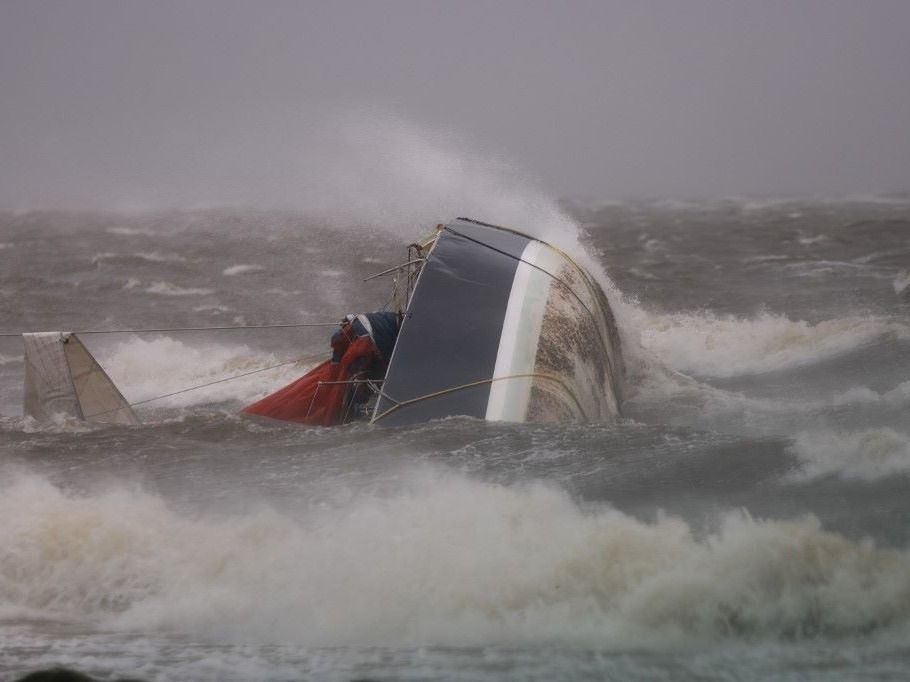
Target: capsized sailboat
x,y
494,324
487,322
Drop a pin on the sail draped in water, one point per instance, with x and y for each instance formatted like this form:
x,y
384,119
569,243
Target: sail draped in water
x,y
63,378
324,396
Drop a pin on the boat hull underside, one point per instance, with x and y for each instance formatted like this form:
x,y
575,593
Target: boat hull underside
x,y
502,327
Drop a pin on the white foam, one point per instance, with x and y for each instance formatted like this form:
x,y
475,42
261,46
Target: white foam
x,y
766,258
169,289
896,398
212,308
143,369
901,282
277,291
148,256
444,560
868,454
131,231
241,269
707,344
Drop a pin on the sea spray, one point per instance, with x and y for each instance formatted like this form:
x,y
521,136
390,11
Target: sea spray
x,y
392,174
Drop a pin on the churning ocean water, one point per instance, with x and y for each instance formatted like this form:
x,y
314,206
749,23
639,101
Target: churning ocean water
x,y
747,519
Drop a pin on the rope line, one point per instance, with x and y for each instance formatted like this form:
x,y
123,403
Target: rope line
x,y
193,388
555,278
534,375
533,265
190,329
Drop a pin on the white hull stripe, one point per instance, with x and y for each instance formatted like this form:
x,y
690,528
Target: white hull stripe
x,y
521,327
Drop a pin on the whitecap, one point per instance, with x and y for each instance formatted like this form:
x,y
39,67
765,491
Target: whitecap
x,y
214,308
285,292
901,282
169,289
241,269
131,231
868,454
707,344
147,256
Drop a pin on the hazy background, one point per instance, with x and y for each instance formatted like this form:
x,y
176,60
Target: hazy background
x,y
142,104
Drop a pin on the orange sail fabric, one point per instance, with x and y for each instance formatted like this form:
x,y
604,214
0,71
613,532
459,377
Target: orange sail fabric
x,y
309,399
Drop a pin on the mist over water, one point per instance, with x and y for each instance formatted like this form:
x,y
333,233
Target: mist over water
x,y
753,498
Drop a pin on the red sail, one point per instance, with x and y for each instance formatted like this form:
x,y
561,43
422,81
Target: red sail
x,y
310,399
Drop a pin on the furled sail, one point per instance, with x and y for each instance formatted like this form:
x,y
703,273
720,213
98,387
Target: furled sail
x,y
62,377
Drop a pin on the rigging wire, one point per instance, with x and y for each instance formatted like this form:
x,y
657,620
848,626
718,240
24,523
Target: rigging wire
x,y
555,278
480,382
191,329
210,383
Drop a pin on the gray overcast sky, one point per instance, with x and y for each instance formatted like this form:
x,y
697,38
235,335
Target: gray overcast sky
x,y
194,102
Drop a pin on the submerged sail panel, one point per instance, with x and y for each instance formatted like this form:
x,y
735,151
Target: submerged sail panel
x,y
62,377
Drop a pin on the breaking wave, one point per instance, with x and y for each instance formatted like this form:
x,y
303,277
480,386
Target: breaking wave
x,y
444,560
869,454
710,345
144,369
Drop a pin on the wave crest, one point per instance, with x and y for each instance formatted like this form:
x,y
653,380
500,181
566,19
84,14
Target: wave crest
x,y
445,560
725,346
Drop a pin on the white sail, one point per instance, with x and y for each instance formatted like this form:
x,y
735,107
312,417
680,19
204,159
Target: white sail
x,y
62,377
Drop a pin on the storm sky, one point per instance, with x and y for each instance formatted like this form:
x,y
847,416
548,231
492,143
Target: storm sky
x,y
217,101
